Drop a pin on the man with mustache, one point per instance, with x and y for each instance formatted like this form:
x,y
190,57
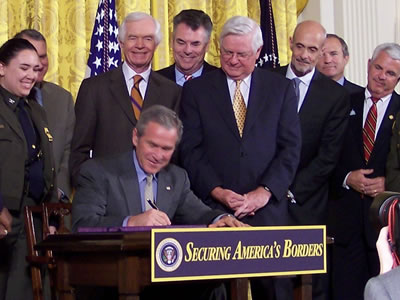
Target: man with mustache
x,y
323,108
360,175
191,38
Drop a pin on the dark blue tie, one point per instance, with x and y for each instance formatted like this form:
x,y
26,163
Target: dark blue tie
x,y
34,164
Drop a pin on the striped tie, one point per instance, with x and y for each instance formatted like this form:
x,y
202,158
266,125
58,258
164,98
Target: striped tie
x,y
239,108
188,77
136,97
369,130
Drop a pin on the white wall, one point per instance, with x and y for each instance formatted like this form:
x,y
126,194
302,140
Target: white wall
x,y
363,24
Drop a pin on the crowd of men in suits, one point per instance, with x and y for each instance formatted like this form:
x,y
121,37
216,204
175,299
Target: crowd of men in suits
x,y
298,145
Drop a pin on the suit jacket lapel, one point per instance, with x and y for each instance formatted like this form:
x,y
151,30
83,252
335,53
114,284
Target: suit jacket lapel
x,y
222,99
130,185
357,124
256,101
386,125
120,93
165,190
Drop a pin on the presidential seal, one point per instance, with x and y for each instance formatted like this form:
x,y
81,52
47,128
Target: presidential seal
x,y
169,255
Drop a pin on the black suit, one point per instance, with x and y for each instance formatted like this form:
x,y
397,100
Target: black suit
x,y
169,72
267,154
104,114
354,257
351,87
323,121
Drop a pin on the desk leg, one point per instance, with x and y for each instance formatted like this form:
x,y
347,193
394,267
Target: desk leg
x,y
239,289
303,289
132,278
64,288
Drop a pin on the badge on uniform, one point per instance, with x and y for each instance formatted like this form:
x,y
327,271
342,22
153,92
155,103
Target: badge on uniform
x,y
47,132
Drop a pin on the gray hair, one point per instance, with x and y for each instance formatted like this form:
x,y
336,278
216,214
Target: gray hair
x,y
345,48
392,49
194,18
30,33
137,16
240,25
161,115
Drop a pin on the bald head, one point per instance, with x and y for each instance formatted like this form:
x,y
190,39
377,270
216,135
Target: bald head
x,y
306,45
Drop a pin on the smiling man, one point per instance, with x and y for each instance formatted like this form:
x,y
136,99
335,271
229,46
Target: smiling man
x,y
109,105
114,191
361,173
335,56
323,108
190,41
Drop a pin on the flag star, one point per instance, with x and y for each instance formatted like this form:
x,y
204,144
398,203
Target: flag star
x,y
110,29
265,57
97,62
99,45
110,61
111,13
102,13
98,17
100,30
116,31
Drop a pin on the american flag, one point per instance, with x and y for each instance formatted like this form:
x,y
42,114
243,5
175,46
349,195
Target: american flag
x,y
269,57
105,53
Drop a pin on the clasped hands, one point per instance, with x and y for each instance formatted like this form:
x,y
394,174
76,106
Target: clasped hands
x,y
242,205
364,185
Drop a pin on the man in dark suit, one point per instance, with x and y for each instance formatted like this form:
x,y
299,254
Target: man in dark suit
x,y
59,107
190,41
334,60
360,175
141,188
108,105
111,191
323,108
241,142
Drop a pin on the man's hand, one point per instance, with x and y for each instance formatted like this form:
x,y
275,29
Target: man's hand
x,y
5,222
364,185
357,180
228,221
151,217
375,186
228,197
254,200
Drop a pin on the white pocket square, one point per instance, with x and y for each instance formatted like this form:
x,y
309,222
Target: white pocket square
x,y
352,113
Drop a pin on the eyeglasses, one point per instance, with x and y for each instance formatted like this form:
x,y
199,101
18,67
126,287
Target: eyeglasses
x,y
240,55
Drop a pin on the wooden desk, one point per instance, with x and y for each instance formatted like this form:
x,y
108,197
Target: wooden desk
x,y
110,260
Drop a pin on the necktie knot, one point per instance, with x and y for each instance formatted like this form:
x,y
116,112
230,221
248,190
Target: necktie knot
x,y
238,82
375,100
136,80
188,77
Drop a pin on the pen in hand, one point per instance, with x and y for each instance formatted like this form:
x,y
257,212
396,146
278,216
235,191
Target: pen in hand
x,y
152,204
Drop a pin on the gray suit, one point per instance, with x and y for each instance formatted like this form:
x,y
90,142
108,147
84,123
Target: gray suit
x,y
108,191
105,118
383,287
59,107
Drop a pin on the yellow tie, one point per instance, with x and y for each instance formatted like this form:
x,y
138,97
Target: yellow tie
x,y
136,97
239,108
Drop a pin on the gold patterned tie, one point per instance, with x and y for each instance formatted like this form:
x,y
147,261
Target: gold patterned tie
x,y
136,97
239,108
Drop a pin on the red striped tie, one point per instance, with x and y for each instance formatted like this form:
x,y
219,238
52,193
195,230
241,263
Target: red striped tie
x,y
369,130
